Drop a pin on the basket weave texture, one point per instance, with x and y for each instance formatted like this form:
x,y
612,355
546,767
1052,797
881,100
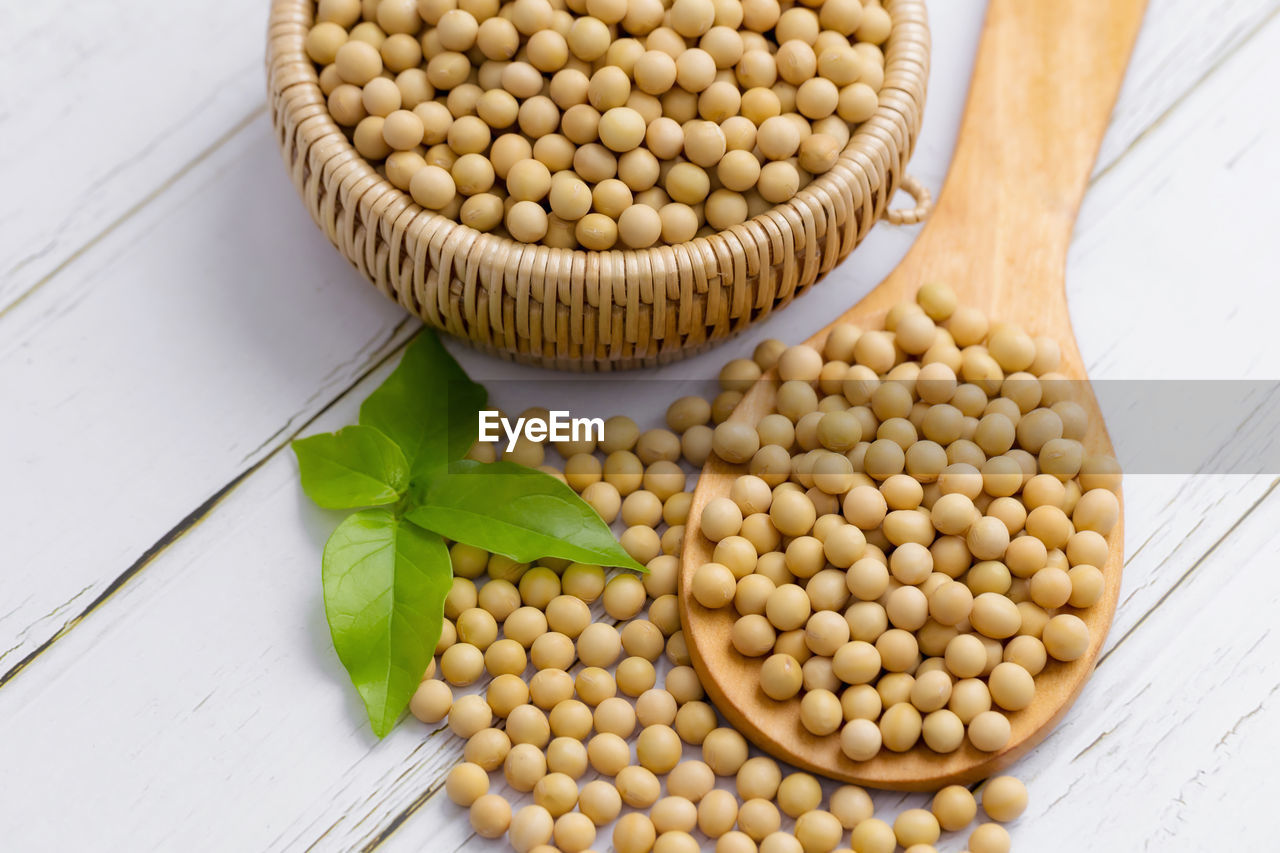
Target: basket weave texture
x,y
575,309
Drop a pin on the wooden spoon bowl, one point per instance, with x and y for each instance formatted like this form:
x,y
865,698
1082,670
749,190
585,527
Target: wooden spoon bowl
x,y
1043,87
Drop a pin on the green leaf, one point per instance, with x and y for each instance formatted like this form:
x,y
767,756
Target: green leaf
x,y
384,587
353,467
517,512
427,406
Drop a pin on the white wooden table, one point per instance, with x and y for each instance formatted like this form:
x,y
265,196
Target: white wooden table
x,y
170,318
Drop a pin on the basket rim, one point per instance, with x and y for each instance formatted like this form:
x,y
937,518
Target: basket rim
x,y
906,70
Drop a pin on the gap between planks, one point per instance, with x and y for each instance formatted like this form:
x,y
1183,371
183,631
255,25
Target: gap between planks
x,y
138,207
1191,570
200,513
1209,72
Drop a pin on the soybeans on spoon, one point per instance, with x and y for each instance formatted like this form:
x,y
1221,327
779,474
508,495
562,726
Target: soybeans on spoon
x,y
1044,83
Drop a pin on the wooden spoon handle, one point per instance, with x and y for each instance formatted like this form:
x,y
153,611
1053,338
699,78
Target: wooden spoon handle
x,y
1046,78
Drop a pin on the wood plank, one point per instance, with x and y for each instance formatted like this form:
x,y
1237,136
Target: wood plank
x,y
160,367
104,104
1182,43
1170,746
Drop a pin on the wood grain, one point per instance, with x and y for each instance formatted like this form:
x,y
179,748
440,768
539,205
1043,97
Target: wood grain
x,y
1043,87
157,108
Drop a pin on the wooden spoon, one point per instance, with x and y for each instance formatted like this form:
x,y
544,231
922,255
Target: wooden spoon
x,y
1046,78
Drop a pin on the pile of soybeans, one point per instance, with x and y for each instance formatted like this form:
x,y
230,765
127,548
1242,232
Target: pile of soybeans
x,y
595,123
918,521
918,529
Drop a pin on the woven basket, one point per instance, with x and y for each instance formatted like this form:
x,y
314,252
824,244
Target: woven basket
x,y
580,310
